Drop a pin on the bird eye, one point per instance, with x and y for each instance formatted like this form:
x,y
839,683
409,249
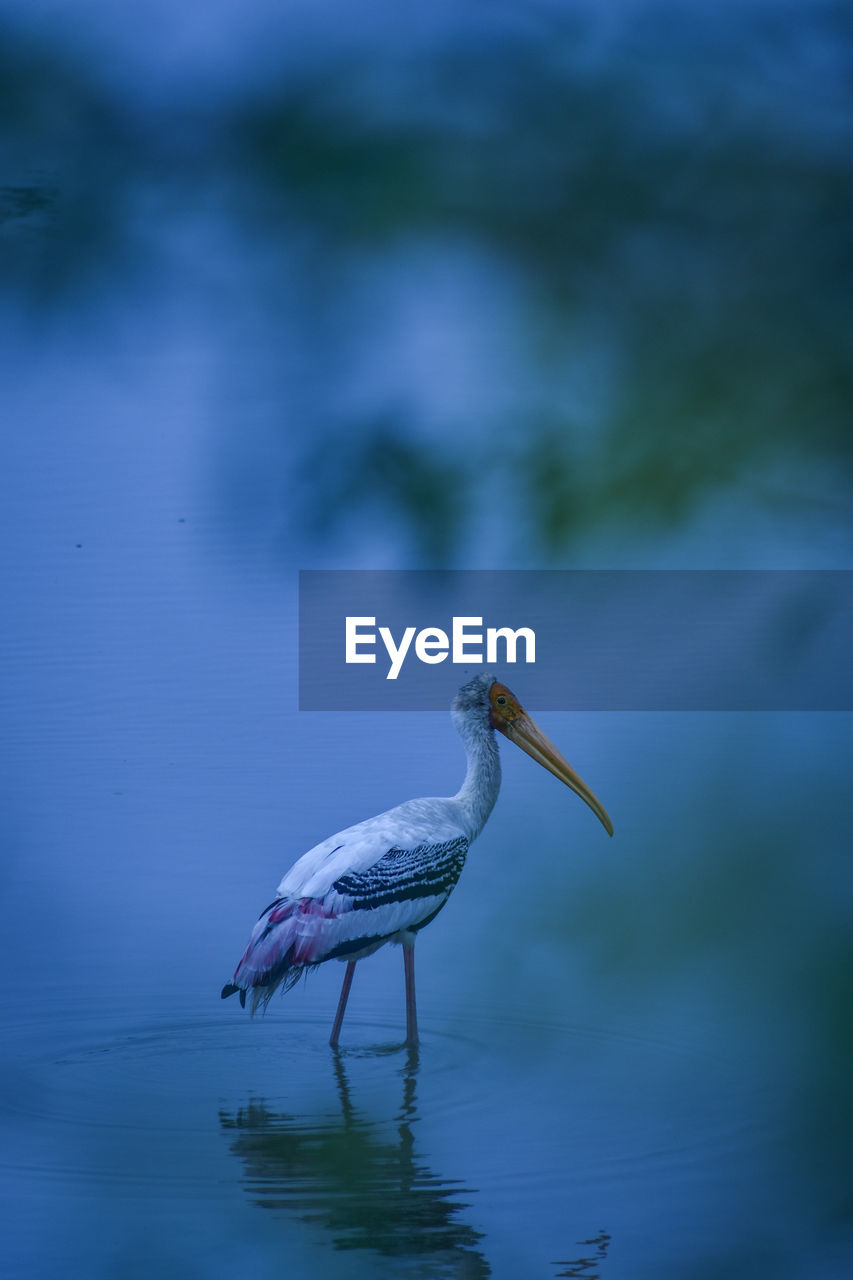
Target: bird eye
x,y
501,701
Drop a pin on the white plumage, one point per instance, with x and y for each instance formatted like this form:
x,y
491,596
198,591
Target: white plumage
x,y
383,879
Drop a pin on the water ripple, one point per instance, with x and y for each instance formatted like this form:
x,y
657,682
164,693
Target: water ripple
x,y
373,1146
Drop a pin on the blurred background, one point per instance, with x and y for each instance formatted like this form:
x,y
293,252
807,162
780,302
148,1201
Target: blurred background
x,y
520,285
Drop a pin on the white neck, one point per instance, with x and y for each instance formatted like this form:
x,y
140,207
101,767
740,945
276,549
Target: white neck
x,y
479,791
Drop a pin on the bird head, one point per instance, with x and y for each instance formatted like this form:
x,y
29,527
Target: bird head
x,y
499,705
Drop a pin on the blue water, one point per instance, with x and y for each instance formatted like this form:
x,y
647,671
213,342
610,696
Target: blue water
x,y
626,1067
633,1055
503,1145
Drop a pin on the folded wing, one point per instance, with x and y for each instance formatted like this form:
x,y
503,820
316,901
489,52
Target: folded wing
x,y
399,893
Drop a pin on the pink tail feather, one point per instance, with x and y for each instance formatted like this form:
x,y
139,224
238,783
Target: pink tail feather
x,y
285,942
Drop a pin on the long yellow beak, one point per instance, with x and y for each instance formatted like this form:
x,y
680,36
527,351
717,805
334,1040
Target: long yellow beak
x,y
525,733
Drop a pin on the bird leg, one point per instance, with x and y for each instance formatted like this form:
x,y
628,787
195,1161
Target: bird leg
x,y
411,1008
342,1004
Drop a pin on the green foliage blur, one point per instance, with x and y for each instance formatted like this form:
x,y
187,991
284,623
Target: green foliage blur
x,y
647,240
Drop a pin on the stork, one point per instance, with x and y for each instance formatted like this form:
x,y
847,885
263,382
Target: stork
x,y
384,879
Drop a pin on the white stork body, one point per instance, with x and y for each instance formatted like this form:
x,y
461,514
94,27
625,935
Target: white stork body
x,y
384,879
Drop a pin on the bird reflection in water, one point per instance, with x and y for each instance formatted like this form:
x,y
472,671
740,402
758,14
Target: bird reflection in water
x,y
359,1178
588,1265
